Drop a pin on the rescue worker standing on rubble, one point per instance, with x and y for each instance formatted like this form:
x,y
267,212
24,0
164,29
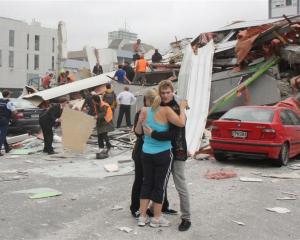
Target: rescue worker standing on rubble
x,y
140,70
110,97
104,122
47,121
6,110
179,150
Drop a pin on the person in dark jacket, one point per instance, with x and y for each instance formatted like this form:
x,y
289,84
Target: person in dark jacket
x,y
129,71
179,149
97,70
7,109
104,117
138,176
110,97
47,121
156,57
88,105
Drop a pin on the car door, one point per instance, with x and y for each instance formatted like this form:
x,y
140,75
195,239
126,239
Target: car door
x,y
289,130
296,121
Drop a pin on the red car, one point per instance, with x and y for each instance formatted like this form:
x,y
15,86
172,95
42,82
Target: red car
x,y
271,132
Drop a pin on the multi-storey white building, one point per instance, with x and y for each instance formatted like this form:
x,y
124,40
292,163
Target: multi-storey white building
x,y
27,52
279,7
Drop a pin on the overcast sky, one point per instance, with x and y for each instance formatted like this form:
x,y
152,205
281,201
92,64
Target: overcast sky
x,y
155,22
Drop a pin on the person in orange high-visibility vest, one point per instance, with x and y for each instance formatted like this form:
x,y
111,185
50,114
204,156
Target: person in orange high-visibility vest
x,y
140,70
104,124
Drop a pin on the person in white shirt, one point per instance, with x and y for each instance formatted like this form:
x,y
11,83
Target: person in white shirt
x,y
125,99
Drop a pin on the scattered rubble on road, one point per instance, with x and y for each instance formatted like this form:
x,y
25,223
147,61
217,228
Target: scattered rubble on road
x,y
239,223
222,174
247,179
278,210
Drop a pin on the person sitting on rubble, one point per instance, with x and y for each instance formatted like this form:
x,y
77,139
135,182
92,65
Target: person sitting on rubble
x,y
140,71
47,80
104,122
138,50
7,109
295,84
110,97
156,156
156,57
47,120
120,74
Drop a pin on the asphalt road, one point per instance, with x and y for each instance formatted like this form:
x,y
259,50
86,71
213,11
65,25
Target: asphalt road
x,y
84,210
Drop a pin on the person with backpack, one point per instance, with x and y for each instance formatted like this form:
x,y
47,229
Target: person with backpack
x,y
110,97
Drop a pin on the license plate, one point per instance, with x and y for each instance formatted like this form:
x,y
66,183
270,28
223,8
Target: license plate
x,y
239,134
34,115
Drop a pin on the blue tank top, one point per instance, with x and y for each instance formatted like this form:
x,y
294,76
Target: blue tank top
x,y
151,145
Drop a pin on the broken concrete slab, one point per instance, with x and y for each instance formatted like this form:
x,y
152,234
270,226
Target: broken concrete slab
x,y
247,179
293,175
278,210
111,167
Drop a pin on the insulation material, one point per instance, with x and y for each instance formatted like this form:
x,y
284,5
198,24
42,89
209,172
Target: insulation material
x,y
194,86
76,129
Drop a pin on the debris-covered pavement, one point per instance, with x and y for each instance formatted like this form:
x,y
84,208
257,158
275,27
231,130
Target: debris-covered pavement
x,y
76,196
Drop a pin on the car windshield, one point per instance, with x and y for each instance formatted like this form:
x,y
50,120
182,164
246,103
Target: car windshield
x,y
21,103
249,115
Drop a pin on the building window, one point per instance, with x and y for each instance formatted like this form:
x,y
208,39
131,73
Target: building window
x,y
11,38
36,62
53,44
288,2
36,42
52,63
0,58
11,59
28,41
27,61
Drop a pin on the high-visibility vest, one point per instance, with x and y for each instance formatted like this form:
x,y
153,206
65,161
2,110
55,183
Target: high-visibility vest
x,y
109,114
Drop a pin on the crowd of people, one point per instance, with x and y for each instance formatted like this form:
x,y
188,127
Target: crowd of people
x,y
64,77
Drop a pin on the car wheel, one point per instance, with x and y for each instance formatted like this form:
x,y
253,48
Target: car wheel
x,y
283,157
219,156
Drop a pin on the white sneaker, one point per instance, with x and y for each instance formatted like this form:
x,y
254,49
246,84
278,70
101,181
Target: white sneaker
x,y
142,221
159,222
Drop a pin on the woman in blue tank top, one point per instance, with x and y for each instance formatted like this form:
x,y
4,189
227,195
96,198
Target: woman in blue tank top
x,y
156,156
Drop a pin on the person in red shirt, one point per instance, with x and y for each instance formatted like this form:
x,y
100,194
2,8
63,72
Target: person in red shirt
x,y
47,80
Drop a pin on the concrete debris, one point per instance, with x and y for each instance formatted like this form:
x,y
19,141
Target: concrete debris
x,y
295,166
222,174
202,156
125,229
290,193
117,208
111,167
293,175
239,223
286,198
18,138
247,179
28,161
278,210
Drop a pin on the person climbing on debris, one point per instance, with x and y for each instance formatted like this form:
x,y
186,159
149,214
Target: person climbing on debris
x,y
47,80
7,109
156,57
104,116
129,71
120,74
47,121
156,156
110,97
138,50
